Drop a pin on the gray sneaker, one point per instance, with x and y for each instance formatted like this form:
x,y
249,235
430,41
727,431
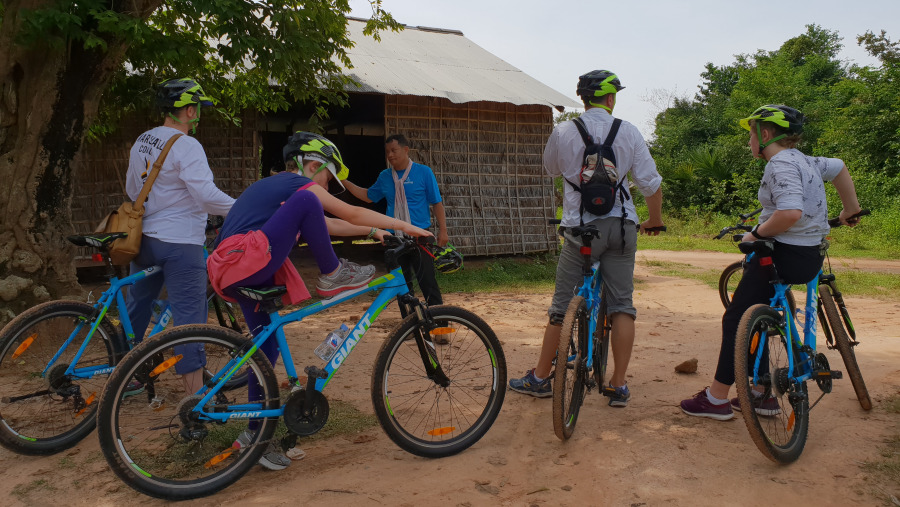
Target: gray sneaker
x,y
368,269
349,276
272,459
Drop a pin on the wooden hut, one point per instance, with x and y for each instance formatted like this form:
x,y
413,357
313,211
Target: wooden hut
x,y
478,122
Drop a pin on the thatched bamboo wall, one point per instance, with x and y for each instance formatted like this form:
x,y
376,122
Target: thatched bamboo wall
x,y
487,159
232,151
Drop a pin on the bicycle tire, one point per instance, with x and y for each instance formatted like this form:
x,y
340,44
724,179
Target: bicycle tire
x,y
781,436
601,342
226,317
51,418
154,445
569,375
419,415
728,283
842,342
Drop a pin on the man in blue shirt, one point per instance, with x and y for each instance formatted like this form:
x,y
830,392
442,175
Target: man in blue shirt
x,y
409,189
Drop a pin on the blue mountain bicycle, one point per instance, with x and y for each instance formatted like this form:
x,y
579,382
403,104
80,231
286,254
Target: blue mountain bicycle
x,y
773,363
584,340
55,359
431,400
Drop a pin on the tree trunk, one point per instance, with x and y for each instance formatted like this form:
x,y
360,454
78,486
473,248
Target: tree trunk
x,y
48,97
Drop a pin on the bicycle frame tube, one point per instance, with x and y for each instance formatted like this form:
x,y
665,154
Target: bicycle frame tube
x,y
590,290
779,300
389,287
104,303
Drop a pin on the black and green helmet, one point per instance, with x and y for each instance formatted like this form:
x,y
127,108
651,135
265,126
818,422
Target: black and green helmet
x,y
309,146
598,83
787,118
177,93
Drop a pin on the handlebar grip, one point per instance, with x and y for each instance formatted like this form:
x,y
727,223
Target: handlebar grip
x,y
661,228
554,221
836,221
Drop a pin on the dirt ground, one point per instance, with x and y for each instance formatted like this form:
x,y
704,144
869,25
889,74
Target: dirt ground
x,y
646,454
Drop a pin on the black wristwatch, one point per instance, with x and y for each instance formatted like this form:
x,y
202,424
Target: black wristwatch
x,y
755,231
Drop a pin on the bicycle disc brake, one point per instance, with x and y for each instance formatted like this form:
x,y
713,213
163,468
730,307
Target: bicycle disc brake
x,y
301,422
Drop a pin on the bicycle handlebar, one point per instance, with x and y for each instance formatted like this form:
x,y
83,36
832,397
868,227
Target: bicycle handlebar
x,y
854,219
661,228
740,226
748,216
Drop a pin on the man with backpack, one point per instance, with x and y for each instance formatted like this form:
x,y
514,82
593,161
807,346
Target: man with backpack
x,y
596,158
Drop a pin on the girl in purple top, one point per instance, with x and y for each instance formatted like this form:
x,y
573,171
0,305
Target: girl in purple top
x,y
283,207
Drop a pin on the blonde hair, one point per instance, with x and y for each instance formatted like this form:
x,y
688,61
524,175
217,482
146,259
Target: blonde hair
x,y
788,141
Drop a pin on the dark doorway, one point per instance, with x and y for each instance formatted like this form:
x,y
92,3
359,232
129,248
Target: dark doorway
x,y
357,130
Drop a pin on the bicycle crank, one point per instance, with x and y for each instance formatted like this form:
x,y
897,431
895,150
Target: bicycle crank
x,y
305,422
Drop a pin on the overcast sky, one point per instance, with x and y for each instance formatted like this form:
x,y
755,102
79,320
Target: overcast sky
x,y
651,44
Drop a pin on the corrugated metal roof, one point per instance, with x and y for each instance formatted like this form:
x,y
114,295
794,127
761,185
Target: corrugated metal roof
x,y
441,63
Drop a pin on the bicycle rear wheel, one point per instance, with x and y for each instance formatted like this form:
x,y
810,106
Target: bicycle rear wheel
x,y
570,374
842,342
417,412
157,444
778,418
47,413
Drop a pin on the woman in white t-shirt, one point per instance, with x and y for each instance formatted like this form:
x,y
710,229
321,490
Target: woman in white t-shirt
x,y
795,217
174,222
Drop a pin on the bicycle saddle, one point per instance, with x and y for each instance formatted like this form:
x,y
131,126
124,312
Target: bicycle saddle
x,y
763,247
263,293
99,240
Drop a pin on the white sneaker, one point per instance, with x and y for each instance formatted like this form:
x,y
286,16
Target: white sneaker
x,y
272,459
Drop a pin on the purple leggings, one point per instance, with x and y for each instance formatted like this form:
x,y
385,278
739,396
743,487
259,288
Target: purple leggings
x,y
301,213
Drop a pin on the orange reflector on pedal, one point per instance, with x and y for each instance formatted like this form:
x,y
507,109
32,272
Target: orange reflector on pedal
x,y
219,458
165,365
442,431
87,403
24,346
443,330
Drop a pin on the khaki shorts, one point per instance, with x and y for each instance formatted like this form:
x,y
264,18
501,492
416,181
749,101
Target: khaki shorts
x,y
616,266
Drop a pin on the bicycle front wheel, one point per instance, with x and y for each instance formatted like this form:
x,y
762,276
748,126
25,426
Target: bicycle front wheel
x,y
731,277
423,413
569,375
842,341
775,407
157,444
601,342
728,281
45,413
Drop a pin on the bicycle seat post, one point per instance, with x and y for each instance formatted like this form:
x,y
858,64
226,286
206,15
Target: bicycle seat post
x,y
110,269
585,249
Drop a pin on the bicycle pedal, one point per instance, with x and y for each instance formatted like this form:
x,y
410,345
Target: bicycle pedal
x,y
314,372
832,374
